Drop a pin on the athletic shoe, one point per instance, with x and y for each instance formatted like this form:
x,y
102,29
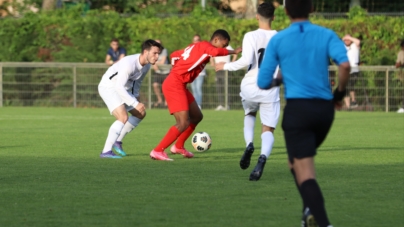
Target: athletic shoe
x,y
109,154
118,148
181,151
259,168
353,105
246,158
220,107
401,110
308,219
159,155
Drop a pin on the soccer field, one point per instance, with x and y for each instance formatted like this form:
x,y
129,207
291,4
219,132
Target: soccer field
x,y
51,173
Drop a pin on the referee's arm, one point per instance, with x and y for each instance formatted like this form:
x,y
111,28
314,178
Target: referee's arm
x,y
267,67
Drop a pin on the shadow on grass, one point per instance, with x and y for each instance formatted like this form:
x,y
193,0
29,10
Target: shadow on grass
x,y
350,148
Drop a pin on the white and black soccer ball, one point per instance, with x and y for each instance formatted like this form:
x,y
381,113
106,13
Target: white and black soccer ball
x,y
201,141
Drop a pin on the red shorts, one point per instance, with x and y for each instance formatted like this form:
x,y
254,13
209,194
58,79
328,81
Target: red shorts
x,y
177,95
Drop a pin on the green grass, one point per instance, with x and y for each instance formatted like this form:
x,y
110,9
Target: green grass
x,y
51,174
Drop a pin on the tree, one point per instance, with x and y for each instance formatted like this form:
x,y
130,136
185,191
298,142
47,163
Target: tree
x,y
48,4
251,9
355,3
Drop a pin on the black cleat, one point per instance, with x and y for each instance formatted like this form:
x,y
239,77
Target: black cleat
x,y
259,168
308,219
246,158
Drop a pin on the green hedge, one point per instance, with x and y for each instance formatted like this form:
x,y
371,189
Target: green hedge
x,y
70,36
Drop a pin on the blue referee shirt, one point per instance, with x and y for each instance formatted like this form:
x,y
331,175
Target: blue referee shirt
x,y
302,51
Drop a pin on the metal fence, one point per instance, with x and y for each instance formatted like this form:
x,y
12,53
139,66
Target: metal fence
x,y
379,88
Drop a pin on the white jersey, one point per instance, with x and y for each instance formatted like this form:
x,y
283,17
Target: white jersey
x,y
254,44
125,77
353,56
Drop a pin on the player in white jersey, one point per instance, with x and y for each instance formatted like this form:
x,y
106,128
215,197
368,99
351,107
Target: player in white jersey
x,y
252,97
119,88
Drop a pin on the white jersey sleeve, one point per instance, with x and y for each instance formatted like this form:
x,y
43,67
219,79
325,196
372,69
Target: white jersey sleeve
x,y
247,55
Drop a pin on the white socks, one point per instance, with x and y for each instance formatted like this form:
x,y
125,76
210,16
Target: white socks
x,y
267,141
249,123
128,127
113,135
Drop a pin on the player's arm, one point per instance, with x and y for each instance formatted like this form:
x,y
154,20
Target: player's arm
x,y
246,57
338,54
352,39
268,67
121,79
108,60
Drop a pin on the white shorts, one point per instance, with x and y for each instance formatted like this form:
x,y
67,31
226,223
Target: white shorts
x,y
112,99
269,112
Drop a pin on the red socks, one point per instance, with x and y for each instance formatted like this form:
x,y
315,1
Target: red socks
x,y
168,139
184,135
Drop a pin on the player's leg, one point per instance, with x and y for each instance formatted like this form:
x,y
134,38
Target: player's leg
x,y
250,113
220,89
117,109
269,114
176,96
114,131
156,89
195,116
300,122
133,121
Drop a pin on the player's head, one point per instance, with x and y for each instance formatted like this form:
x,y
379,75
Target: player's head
x,y
114,44
298,9
265,12
220,38
151,50
196,39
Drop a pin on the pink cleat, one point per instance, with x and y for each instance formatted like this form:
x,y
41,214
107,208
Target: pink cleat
x,y
181,151
156,155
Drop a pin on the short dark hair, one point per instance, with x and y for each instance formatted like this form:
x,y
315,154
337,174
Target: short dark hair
x,y
299,8
148,44
221,34
266,10
402,43
114,40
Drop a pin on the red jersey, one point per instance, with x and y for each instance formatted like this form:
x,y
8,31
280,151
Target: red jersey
x,y
188,63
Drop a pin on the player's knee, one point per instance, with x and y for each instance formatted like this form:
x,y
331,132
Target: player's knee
x,y
182,125
123,118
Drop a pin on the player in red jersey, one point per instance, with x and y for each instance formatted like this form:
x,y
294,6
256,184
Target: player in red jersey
x,y
187,64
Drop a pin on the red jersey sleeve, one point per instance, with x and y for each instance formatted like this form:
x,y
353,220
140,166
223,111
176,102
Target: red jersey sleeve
x,y
176,55
214,51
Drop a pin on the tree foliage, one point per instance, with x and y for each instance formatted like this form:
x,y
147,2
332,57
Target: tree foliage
x,y
71,36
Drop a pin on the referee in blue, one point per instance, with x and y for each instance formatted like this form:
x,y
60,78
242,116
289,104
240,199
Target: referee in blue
x,y
303,51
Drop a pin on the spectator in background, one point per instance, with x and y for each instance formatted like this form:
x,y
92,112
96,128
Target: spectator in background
x,y
115,52
196,86
220,77
160,74
400,64
352,46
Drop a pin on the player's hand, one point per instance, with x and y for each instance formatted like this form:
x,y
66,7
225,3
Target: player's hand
x,y
219,66
141,108
238,50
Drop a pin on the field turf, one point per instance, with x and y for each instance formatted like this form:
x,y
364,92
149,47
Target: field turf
x,y
51,173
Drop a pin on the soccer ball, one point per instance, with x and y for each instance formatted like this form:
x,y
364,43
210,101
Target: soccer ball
x,y
201,141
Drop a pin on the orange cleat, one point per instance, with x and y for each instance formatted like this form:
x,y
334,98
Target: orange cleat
x,y
181,151
156,155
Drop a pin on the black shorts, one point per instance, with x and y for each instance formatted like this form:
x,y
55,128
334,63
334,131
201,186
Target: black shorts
x,y
159,78
352,81
306,123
